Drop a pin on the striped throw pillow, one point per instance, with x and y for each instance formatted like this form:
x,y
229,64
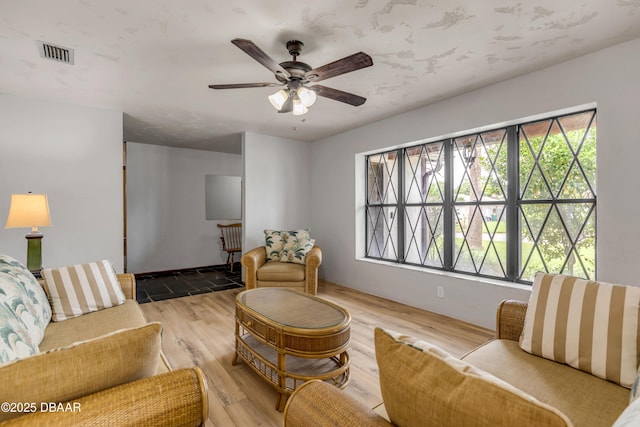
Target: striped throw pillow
x,y
81,289
591,326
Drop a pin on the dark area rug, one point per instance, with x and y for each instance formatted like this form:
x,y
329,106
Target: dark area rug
x,y
181,283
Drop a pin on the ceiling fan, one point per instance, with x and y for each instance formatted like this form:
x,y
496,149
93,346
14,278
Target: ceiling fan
x,y
296,77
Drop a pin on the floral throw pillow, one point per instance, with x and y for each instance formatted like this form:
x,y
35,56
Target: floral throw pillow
x,y
15,340
20,290
288,246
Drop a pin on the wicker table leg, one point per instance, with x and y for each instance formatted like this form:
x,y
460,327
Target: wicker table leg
x,y
282,376
234,362
281,402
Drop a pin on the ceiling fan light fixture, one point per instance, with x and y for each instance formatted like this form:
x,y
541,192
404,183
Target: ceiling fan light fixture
x,y
307,96
298,107
278,99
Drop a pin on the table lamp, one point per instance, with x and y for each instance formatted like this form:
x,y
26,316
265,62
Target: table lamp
x,y
30,210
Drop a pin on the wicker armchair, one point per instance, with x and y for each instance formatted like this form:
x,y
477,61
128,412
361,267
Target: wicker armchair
x,y
260,273
578,397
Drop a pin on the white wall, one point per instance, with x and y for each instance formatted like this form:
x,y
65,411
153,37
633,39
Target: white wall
x,y
608,77
74,155
276,186
166,222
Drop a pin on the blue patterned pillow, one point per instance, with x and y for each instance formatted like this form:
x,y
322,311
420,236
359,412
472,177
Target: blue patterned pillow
x,y
287,246
15,340
24,295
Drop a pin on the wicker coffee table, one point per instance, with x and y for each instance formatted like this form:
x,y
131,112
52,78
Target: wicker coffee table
x,y
289,337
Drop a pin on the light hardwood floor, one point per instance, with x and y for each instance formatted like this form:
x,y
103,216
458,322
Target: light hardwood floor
x,y
199,330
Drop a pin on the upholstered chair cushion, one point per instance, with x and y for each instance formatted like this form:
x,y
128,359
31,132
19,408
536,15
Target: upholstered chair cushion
x,y
275,271
424,386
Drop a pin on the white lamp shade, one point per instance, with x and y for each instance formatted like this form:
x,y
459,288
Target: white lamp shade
x,y
298,108
278,99
28,210
307,96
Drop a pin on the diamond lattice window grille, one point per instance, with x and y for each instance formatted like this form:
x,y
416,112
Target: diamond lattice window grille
x,y
503,203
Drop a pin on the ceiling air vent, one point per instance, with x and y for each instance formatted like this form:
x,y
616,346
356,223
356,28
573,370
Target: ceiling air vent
x,y
55,53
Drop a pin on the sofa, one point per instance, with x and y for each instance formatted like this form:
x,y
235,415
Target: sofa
x,y
504,382
102,367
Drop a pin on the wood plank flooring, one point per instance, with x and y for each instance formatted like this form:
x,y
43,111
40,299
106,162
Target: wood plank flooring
x,y
199,330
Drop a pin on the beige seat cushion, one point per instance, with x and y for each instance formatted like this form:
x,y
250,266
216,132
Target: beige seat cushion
x,y
424,386
92,325
274,271
587,400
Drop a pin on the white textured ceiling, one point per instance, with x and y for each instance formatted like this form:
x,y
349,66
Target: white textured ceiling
x,y
153,59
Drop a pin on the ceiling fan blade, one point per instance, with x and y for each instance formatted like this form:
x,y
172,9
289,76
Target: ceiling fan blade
x,y
338,95
243,85
258,54
341,66
287,107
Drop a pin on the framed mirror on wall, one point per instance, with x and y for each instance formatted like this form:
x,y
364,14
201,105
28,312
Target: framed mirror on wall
x,y
223,197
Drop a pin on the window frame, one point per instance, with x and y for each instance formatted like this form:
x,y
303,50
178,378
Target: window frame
x,y
513,269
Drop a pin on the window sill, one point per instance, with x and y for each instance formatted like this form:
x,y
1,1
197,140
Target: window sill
x,y
483,280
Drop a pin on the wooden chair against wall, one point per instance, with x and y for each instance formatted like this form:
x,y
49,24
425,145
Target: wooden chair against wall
x,y
231,240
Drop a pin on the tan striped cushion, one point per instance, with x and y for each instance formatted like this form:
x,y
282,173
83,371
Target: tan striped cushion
x,y
591,326
81,289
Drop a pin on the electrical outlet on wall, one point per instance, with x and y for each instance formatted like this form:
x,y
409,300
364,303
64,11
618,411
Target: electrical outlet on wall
x,y
440,292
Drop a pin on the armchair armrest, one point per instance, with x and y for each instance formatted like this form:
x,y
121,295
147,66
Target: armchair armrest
x,y
314,258
252,261
313,261
510,319
317,403
128,285
178,398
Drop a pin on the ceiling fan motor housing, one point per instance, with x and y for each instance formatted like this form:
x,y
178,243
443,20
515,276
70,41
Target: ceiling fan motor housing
x,y
297,70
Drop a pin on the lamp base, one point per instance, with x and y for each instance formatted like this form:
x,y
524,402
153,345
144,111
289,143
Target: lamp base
x,y
34,252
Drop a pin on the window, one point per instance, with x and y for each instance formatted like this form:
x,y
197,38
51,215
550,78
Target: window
x,y
503,203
